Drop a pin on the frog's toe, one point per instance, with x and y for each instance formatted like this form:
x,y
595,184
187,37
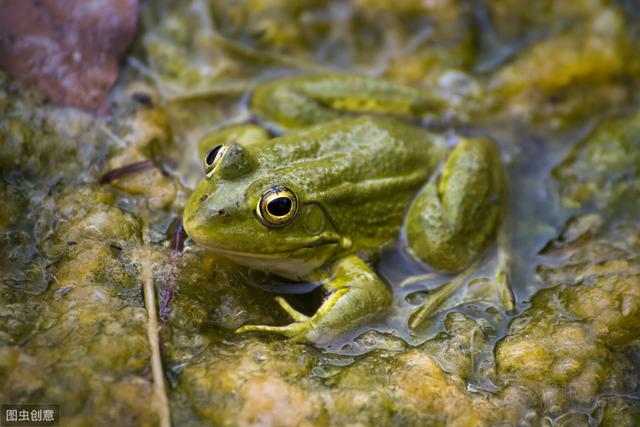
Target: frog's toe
x,y
295,314
293,330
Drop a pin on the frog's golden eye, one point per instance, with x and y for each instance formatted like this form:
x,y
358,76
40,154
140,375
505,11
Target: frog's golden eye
x,y
277,207
212,159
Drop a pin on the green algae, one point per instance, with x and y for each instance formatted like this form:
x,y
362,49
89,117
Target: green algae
x,y
603,168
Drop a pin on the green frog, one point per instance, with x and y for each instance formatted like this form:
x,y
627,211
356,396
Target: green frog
x,y
350,172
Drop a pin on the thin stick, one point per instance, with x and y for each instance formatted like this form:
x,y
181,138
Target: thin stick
x,y
131,168
159,390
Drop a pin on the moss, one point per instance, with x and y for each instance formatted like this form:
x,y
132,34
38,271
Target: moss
x,y
604,167
79,338
443,36
620,411
512,22
577,72
563,347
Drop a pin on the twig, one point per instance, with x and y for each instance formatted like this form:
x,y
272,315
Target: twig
x,y
129,169
159,390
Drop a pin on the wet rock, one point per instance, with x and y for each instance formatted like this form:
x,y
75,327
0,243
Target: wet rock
x,y
79,338
89,352
435,36
562,348
515,23
603,168
69,50
573,74
146,135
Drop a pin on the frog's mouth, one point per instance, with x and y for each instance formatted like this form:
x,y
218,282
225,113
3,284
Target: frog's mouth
x,y
294,263
255,255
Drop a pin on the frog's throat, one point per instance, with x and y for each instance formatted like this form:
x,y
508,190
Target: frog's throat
x,y
292,265
254,255
332,240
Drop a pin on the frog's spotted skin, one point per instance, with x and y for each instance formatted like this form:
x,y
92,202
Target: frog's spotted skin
x,y
309,205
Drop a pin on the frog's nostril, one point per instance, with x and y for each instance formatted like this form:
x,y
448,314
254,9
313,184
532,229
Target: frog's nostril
x,y
203,198
223,212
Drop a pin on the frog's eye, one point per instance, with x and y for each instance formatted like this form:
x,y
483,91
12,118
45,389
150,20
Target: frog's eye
x,y
277,207
212,159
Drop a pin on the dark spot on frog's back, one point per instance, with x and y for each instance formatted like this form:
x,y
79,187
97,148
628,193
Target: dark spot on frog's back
x,y
204,197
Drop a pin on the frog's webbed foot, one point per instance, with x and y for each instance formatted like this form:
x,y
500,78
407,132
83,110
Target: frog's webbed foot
x,y
430,308
357,295
501,281
297,329
295,314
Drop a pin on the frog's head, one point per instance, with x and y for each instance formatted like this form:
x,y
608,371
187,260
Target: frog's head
x,y
257,216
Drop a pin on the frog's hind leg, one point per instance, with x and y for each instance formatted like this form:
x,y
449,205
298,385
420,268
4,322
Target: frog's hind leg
x,y
457,215
301,101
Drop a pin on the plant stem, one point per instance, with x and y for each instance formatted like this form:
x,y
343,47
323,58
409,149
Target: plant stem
x,y
159,390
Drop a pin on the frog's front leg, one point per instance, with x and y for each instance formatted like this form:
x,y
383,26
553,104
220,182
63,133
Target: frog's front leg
x,y
356,296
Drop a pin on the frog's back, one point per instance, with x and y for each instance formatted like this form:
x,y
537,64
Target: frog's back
x,y
363,171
